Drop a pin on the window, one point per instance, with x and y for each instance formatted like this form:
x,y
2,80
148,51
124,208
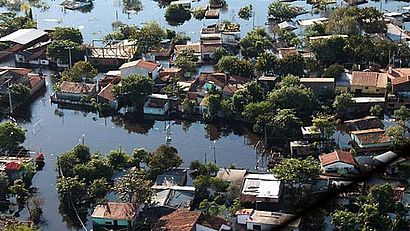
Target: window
x,y
257,227
108,223
366,87
377,90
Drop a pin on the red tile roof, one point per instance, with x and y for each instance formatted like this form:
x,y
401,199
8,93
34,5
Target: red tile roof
x,y
115,211
400,80
374,79
17,70
76,88
212,222
179,220
106,93
142,64
337,156
372,136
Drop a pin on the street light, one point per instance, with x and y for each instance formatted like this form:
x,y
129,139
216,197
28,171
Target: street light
x,y
69,54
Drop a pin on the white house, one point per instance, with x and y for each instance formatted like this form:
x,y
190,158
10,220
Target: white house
x,y
157,104
266,221
338,161
140,67
261,189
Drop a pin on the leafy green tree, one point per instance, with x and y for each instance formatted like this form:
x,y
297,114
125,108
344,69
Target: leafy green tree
x,y
397,134
66,163
219,53
139,155
246,12
119,159
325,124
343,103
186,60
345,220
376,110
253,110
180,38
282,11
255,43
203,185
287,37
67,33
20,93
291,64
202,169
57,50
34,206
266,63
82,152
16,226
80,70
11,22
210,208
286,124
177,13
402,115
329,51
199,13
149,36
213,102
134,89
188,106
18,188
71,189
11,136
102,167
235,66
99,188
133,188
4,183
163,159
383,195
334,71
343,21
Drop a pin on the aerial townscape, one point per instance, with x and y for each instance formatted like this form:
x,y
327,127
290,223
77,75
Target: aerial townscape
x,y
204,115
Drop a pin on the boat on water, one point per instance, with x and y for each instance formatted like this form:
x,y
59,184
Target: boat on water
x,y
75,5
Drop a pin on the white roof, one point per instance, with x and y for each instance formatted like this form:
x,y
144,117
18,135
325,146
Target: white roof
x,y
23,36
287,25
261,185
308,22
185,85
392,14
113,73
369,99
387,158
159,96
406,7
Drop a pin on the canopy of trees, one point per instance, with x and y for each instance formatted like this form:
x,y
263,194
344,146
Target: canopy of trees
x,y
11,136
134,89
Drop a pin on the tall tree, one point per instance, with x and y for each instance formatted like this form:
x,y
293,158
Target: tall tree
x,y
11,136
163,159
67,33
133,188
255,43
282,11
81,71
134,88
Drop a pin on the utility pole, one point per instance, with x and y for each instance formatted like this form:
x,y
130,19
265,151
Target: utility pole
x,y
10,101
69,55
214,147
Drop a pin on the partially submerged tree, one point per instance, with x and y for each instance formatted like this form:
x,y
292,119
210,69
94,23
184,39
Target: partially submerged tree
x,y
134,89
11,136
133,188
82,71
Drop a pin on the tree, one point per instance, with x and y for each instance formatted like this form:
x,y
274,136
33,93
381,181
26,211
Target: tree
x,y
18,188
397,134
246,12
345,220
343,21
67,33
82,152
139,155
132,188
99,188
102,168
149,37
34,206
163,159
186,60
343,103
286,124
200,169
383,196
188,106
11,22
219,53
266,63
334,71
71,189
288,38
199,13
57,50
325,124
235,66
80,72
377,110
217,2
402,115
20,93
118,159
211,208
177,14
291,64
330,51
4,183
282,11
11,136
134,89
16,226
66,163
213,102
180,38
255,43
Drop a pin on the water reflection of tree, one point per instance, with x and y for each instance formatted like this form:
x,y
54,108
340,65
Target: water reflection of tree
x,y
87,9
70,218
135,5
185,124
136,124
16,5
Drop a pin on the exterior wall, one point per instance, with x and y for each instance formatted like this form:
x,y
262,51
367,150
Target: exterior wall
x,y
139,71
40,85
319,88
339,165
203,228
402,89
264,227
70,96
156,111
100,221
368,90
241,219
378,145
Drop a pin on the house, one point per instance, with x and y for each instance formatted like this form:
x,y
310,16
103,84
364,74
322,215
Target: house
x,y
372,83
231,175
284,51
114,216
141,67
310,133
400,82
185,220
72,92
13,166
230,33
107,96
184,3
24,76
371,139
389,161
287,25
367,122
266,221
338,161
320,86
242,215
173,196
268,82
157,104
175,176
301,148
260,190
196,47
168,74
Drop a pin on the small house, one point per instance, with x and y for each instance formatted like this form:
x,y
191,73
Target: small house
x,y
173,196
157,104
141,67
185,220
320,86
301,148
389,161
74,92
372,83
231,175
266,221
367,122
400,81
338,161
261,190
107,96
371,139
175,176
114,216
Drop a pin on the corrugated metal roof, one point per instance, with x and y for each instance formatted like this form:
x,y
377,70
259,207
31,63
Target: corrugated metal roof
x,y
23,36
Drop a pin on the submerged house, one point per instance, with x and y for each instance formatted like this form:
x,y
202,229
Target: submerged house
x,y
371,139
141,67
114,216
157,104
72,92
338,161
107,96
